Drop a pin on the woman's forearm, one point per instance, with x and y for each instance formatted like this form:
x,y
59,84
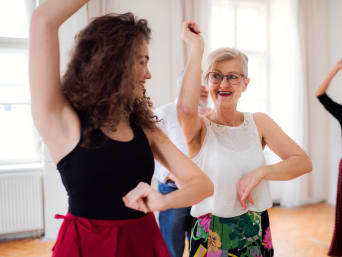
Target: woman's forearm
x,y
290,168
190,92
55,12
185,196
326,83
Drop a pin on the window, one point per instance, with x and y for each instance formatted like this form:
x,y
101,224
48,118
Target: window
x,y
19,141
243,24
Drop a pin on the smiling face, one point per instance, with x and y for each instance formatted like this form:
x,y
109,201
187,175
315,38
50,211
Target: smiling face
x,y
226,94
142,71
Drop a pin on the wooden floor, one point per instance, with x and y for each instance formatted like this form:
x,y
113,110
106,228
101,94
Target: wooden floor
x,y
298,232
304,231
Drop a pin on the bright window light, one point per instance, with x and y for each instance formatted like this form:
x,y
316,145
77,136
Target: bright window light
x,y
243,25
18,136
254,99
14,18
222,25
13,67
19,140
251,29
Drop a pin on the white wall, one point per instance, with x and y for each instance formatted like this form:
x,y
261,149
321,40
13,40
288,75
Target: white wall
x,y
55,198
335,91
317,58
159,17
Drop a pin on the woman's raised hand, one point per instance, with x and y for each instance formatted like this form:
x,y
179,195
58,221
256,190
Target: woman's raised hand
x,y
191,34
338,65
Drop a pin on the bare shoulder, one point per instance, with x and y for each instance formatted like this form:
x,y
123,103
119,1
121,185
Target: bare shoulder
x,y
265,125
155,135
263,121
260,117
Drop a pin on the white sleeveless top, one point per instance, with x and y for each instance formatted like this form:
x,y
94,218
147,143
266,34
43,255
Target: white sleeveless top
x,y
227,154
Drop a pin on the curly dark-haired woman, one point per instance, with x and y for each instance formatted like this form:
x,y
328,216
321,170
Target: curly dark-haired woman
x,y
101,133
335,110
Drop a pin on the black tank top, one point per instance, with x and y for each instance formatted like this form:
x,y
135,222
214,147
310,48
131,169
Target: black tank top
x,y
98,176
334,108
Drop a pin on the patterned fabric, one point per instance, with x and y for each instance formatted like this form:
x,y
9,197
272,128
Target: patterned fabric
x,y
248,235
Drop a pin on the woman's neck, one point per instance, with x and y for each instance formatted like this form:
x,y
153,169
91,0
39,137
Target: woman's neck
x,y
226,116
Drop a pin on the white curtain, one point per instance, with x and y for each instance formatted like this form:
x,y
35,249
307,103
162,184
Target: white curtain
x,y
314,27
184,10
296,56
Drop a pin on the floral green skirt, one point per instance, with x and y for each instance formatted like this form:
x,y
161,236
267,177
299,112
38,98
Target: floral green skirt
x,y
248,235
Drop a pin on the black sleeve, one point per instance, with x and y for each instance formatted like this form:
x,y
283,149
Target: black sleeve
x,y
334,108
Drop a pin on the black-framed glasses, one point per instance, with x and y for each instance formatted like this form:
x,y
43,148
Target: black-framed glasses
x,y
233,78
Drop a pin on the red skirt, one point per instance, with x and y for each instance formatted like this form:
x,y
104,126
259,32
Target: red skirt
x,y
81,237
336,242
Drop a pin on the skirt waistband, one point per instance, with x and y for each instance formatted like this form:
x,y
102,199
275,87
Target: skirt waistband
x,y
106,223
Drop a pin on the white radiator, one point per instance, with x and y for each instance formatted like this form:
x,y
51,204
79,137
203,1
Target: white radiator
x,y
21,202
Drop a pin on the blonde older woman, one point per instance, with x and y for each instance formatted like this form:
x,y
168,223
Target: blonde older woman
x,y
228,146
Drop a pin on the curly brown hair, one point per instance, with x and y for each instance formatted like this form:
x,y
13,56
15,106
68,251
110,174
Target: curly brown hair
x,y
100,77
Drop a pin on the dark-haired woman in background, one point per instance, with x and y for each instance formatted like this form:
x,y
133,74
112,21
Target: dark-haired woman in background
x,y
335,110
101,133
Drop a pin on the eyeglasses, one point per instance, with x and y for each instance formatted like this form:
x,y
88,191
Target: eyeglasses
x,y
232,78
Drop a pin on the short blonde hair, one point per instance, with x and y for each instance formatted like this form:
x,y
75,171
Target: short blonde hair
x,y
226,54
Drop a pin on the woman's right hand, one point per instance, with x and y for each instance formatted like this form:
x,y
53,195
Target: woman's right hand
x,y
145,198
191,34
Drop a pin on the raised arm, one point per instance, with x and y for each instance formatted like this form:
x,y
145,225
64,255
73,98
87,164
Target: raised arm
x,y
334,108
295,162
187,105
326,83
53,116
194,184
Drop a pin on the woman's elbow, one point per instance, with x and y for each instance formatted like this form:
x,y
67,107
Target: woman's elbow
x,y
307,164
38,18
41,20
209,187
184,111
212,190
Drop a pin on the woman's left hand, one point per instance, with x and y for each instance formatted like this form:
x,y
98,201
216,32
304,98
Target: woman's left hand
x,y
246,185
144,198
